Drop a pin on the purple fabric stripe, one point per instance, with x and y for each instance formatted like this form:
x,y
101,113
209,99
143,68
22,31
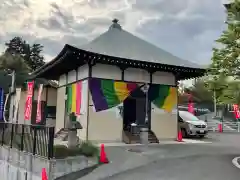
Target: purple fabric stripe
x,y
98,98
1,104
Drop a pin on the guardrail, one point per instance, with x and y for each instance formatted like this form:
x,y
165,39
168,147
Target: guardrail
x,y
35,139
227,126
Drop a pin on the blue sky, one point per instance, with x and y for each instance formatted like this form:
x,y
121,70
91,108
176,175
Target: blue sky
x,y
186,28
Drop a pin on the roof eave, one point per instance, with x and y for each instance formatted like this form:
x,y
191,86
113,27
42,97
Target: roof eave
x,y
51,63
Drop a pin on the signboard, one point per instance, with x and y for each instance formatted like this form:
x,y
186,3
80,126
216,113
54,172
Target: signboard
x,y
236,111
28,105
1,104
39,107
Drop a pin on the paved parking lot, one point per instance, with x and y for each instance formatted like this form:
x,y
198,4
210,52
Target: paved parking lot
x,y
173,161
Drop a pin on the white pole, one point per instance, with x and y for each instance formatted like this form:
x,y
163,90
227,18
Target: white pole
x,y
215,102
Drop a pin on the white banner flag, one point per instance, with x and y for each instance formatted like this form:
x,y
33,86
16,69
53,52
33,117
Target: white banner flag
x,y
39,108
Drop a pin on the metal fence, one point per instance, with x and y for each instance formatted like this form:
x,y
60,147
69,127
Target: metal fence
x,y
34,139
227,126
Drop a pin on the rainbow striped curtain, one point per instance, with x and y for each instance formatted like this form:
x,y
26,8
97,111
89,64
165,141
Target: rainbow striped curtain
x,y
109,93
163,96
74,92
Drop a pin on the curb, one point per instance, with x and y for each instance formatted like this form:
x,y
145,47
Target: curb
x,y
236,161
78,174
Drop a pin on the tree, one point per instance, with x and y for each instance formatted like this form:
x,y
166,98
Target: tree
x,y
226,58
13,62
231,94
30,53
200,93
8,63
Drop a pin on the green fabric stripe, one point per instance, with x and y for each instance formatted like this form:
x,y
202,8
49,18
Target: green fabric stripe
x,y
163,93
69,98
108,90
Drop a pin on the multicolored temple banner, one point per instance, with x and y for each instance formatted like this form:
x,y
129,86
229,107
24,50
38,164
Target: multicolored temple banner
x,y
39,105
1,104
190,104
74,98
163,96
28,104
236,111
109,93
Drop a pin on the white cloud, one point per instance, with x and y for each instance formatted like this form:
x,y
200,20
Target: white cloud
x,y
187,28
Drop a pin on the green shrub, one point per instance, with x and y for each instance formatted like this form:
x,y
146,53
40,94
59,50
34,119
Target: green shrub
x,y
85,149
88,149
76,151
60,151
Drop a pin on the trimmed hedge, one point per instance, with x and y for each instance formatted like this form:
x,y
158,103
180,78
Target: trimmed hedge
x,y
85,149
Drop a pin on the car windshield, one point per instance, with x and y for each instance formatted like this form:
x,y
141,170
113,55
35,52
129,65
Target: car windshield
x,y
187,116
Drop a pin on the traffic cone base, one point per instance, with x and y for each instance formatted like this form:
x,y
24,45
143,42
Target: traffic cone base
x,y
220,129
179,136
103,157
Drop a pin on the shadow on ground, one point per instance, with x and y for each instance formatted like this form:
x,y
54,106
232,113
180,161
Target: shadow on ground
x,y
78,174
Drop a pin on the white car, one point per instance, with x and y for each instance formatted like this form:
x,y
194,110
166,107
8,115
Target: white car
x,y
191,126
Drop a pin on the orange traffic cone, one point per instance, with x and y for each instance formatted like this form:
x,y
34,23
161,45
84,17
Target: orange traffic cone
x,y
179,136
220,128
103,158
44,174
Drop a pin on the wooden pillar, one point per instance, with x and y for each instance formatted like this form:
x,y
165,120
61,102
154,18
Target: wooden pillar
x,y
90,65
150,105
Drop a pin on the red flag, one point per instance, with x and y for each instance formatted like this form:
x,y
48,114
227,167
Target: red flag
x,y
236,111
190,104
28,105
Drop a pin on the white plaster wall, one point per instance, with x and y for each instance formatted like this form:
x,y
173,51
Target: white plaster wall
x,y
164,124
105,126
83,72
71,77
106,72
163,78
131,74
136,75
52,97
62,80
60,111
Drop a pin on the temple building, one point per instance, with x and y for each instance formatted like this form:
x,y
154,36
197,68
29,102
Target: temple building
x,y
115,82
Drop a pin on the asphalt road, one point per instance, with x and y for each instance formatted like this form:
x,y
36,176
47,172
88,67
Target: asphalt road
x,y
188,162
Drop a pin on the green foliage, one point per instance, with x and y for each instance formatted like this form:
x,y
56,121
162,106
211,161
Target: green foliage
x,y
200,91
231,94
217,84
13,62
85,149
88,149
60,151
225,64
226,59
30,53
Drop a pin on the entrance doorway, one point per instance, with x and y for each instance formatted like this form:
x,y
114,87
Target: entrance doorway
x,y
134,110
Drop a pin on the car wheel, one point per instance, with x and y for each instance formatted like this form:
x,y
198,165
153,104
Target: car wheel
x,y
184,133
